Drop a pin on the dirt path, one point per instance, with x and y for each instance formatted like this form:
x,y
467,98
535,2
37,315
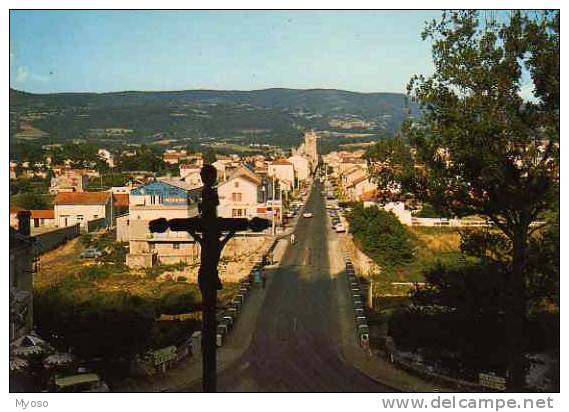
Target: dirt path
x,y
54,265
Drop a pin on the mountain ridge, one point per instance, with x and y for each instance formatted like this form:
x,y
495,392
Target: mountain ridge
x,y
202,113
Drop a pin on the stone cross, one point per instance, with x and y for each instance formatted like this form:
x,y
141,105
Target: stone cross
x,y
208,230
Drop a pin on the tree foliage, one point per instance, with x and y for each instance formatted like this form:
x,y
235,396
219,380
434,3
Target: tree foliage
x,y
381,235
488,140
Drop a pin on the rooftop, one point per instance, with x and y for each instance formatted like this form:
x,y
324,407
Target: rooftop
x,y
281,162
82,198
42,214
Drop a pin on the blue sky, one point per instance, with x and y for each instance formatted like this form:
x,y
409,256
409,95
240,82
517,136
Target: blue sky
x,y
100,51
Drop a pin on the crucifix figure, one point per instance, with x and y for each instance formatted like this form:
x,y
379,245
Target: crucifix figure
x,y
207,229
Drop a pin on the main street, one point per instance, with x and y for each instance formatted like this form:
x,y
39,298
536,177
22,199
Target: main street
x,y
295,343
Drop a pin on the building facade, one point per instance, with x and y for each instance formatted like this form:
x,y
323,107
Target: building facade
x,y
82,208
282,170
158,199
301,167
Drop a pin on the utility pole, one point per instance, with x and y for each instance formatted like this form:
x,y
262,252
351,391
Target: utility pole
x,y
207,230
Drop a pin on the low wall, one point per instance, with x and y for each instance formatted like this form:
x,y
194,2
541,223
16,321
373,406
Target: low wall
x,y
96,224
437,222
363,264
47,241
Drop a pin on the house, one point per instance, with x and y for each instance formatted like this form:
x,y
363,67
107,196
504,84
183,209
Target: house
x,y
301,167
246,194
172,156
191,174
22,266
69,180
348,163
283,170
120,204
353,174
84,207
14,215
225,166
42,218
358,187
159,199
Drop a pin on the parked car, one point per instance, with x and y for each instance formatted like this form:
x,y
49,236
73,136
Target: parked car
x,y
307,214
340,228
90,253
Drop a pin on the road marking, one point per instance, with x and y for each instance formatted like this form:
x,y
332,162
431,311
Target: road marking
x,y
294,325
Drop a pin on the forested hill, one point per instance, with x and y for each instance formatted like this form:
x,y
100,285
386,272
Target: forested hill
x,y
199,113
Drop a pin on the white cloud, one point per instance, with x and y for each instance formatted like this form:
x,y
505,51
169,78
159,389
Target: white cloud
x,y
22,74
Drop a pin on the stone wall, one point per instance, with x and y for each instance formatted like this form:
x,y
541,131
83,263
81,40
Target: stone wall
x,y
363,264
237,259
49,240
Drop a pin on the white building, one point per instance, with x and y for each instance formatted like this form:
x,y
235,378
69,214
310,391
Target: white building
x,y
82,207
301,167
239,195
167,199
282,170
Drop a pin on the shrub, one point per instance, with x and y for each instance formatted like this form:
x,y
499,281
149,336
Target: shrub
x,y
94,272
381,235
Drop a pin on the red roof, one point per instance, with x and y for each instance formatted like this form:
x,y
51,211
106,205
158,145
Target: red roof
x,y
82,198
282,162
43,214
369,196
16,209
120,200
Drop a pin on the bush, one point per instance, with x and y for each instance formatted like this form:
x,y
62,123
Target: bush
x,y
95,272
381,235
429,211
107,326
157,270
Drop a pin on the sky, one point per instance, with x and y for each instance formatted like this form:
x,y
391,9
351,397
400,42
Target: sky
x,y
104,51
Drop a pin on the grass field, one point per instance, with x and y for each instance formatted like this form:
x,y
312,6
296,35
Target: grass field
x,y
432,246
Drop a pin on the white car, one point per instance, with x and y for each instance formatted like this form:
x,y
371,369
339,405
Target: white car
x,y
340,228
307,214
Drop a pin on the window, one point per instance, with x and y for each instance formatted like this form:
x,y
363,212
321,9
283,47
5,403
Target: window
x,y
237,213
151,246
95,216
236,197
175,245
80,218
236,184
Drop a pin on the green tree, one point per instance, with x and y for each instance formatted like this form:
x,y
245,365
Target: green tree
x,y
486,150
209,156
31,201
381,235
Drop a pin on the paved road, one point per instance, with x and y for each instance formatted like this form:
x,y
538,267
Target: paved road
x,y
294,347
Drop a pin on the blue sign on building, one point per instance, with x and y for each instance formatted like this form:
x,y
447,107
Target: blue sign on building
x,y
166,194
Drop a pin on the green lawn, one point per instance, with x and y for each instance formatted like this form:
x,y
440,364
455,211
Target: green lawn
x,y
432,246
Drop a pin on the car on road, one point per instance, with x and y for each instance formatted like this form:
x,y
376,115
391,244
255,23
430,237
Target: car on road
x,y
90,253
307,214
